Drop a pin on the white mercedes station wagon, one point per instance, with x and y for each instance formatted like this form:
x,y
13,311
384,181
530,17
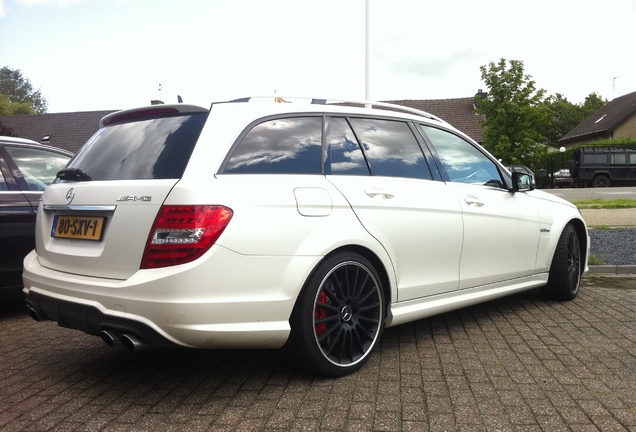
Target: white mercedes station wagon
x,y
308,225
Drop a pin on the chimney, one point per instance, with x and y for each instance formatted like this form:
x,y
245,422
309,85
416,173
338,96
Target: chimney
x,y
479,96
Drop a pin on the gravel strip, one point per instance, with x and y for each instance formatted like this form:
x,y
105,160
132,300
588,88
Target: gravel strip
x,y
614,246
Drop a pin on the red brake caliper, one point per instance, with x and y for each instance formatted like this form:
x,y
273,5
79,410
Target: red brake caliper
x,y
320,313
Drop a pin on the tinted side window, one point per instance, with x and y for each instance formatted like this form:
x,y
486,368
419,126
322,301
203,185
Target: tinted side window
x,y
158,148
594,159
619,159
462,161
391,148
344,154
3,183
38,167
280,146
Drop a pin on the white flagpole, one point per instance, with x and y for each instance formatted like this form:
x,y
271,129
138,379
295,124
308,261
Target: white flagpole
x,y
367,52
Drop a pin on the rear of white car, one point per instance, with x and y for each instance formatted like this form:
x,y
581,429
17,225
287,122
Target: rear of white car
x,y
142,242
256,225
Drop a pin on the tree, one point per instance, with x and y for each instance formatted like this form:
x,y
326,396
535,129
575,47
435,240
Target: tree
x,y
13,108
514,110
565,116
593,102
18,89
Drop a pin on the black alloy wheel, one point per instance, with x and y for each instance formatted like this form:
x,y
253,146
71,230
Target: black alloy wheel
x,y
565,272
339,316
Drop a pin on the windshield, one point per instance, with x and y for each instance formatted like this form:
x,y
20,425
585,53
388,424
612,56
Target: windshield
x,y
157,148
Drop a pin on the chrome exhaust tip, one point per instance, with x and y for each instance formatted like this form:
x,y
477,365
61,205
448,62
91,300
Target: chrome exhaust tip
x,y
133,343
109,337
30,310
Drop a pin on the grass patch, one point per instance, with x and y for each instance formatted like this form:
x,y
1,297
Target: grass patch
x,y
595,260
621,203
601,227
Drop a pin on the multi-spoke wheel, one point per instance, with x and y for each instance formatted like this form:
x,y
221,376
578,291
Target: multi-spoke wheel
x,y
339,316
565,272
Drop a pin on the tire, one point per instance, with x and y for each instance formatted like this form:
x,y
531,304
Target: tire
x,y
564,279
601,181
338,318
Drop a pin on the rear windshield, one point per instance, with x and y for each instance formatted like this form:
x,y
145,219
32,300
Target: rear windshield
x,y
157,148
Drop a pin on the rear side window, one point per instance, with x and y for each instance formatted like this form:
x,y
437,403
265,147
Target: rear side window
x,y
157,148
280,146
344,155
391,148
37,167
595,159
619,159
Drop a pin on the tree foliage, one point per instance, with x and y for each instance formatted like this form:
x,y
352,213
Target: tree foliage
x,y
521,122
18,90
514,111
13,108
565,116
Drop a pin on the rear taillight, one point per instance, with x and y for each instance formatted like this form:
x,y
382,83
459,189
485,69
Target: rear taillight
x,y
182,234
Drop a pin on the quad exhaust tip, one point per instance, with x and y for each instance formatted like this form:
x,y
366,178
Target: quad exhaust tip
x,y
30,310
131,342
110,338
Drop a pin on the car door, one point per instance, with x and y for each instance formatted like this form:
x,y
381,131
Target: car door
x,y
17,222
501,228
26,171
416,219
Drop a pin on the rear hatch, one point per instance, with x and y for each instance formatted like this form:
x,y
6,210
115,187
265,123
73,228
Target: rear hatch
x,y
95,219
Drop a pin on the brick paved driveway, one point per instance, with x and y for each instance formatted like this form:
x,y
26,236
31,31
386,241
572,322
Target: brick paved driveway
x,y
515,364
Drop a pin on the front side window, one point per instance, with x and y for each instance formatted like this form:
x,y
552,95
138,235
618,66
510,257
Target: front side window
x,y
391,148
3,183
280,146
461,160
38,167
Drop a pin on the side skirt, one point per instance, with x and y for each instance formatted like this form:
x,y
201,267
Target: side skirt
x,y
413,310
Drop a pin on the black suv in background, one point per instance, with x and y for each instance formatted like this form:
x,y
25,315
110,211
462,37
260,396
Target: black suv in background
x,y
26,168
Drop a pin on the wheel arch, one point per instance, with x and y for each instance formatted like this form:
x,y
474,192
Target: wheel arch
x,y
383,272
581,232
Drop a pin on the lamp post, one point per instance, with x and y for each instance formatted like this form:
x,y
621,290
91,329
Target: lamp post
x,y
562,150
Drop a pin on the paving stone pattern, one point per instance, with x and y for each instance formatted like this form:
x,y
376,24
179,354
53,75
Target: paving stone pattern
x,y
516,364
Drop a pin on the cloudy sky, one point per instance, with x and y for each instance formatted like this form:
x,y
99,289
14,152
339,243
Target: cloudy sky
x,y
108,54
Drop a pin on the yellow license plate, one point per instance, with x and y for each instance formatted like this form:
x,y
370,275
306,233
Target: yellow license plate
x,y
78,227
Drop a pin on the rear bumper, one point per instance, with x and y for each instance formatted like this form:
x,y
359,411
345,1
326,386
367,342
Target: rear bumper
x,y
91,321
216,305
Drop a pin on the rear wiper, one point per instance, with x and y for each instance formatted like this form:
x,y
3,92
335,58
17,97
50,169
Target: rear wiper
x,y
73,174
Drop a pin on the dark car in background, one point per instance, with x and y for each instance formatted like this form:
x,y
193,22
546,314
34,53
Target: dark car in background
x,y
562,178
26,168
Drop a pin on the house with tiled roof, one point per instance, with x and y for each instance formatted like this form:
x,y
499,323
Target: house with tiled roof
x,y
616,120
71,130
459,112
65,130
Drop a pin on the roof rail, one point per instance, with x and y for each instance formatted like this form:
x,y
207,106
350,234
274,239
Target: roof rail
x,y
330,101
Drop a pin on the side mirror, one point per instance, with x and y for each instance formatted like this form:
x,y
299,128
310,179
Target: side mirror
x,y
522,182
